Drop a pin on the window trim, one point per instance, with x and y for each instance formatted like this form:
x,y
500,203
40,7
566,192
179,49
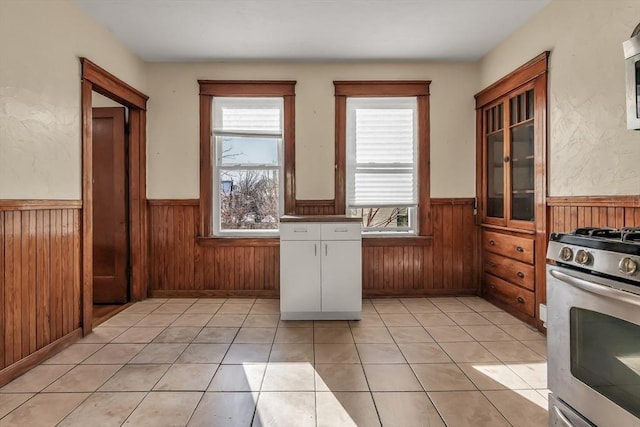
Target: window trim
x,y
244,88
397,88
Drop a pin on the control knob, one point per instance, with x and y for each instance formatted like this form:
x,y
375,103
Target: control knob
x,y
583,257
566,254
627,266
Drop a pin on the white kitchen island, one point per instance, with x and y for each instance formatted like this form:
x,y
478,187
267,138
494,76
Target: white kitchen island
x,y
320,267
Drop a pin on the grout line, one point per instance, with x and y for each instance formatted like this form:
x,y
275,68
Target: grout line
x,y
375,406
277,328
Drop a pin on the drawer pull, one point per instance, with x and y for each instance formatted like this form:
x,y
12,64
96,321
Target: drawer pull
x,y
492,286
300,230
492,242
341,230
519,249
520,274
520,300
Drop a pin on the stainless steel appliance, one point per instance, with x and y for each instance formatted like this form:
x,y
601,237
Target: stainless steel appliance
x,y
632,69
593,335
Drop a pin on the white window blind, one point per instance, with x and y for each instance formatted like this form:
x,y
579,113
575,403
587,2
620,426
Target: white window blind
x,y
382,152
247,116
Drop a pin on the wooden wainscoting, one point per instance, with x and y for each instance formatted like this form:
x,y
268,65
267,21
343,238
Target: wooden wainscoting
x,y
445,264
315,207
180,266
183,265
568,213
39,280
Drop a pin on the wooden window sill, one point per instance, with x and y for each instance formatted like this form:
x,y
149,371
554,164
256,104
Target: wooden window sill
x,y
237,241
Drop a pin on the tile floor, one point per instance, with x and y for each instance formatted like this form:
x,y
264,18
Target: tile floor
x,y
233,362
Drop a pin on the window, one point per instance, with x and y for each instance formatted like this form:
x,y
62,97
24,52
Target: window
x,y
381,163
247,157
382,155
247,147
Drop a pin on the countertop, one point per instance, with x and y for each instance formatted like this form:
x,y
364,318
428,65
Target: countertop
x,y
320,218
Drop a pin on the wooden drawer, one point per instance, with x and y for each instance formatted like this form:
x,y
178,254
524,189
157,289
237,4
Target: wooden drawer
x,y
341,231
515,296
299,231
519,248
511,270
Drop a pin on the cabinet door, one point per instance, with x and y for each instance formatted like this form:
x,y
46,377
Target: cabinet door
x,y
300,276
494,179
341,276
522,158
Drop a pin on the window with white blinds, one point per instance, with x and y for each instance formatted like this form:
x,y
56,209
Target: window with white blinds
x,y
382,153
247,184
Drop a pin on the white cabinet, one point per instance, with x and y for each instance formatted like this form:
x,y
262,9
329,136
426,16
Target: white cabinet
x,y
320,270
299,283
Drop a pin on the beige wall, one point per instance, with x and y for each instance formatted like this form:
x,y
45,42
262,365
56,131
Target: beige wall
x,y
173,138
590,150
40,42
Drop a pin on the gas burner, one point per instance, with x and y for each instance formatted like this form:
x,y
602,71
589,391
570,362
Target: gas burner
x,y
606,233
630,234
587,231
624,234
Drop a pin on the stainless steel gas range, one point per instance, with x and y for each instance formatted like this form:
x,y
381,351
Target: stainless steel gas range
x,y
593,335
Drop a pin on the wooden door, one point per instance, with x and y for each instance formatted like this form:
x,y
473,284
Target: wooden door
x,y
110,214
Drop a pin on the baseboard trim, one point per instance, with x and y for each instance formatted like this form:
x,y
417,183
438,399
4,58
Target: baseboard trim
x,y
23,365
212,293
366,293
414,293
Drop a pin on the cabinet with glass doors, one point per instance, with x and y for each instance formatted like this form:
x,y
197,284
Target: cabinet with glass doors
x,y
511,132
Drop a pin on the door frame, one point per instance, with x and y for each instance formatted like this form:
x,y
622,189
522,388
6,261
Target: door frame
x,y
95,78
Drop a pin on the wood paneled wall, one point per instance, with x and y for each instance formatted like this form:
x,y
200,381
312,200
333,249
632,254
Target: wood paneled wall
x,y
39,276
444,264
180,264
568,213
315,207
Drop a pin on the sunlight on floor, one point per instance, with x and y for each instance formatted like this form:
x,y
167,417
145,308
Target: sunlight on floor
x,y
510,375
288,376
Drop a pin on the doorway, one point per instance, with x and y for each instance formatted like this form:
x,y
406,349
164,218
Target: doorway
x,y
110,208
114,211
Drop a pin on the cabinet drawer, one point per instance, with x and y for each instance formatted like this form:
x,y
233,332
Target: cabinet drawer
x,y
299,231
519,248
509,269
515,296
341,231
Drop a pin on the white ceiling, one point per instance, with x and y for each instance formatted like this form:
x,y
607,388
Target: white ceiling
x,y
209,30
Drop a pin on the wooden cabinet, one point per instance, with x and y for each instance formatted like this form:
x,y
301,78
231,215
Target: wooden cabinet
x,y
511,149
320,270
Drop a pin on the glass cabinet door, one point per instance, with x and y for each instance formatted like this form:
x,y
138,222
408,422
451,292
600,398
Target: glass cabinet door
x,y
494,124
522,169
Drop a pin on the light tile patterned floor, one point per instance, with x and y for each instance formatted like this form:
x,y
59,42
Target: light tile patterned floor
x,y
232,362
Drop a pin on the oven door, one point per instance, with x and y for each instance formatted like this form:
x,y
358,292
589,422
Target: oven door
x,y
594,347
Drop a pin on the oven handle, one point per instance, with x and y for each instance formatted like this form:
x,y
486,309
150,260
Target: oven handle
x,y
602,290
562,417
